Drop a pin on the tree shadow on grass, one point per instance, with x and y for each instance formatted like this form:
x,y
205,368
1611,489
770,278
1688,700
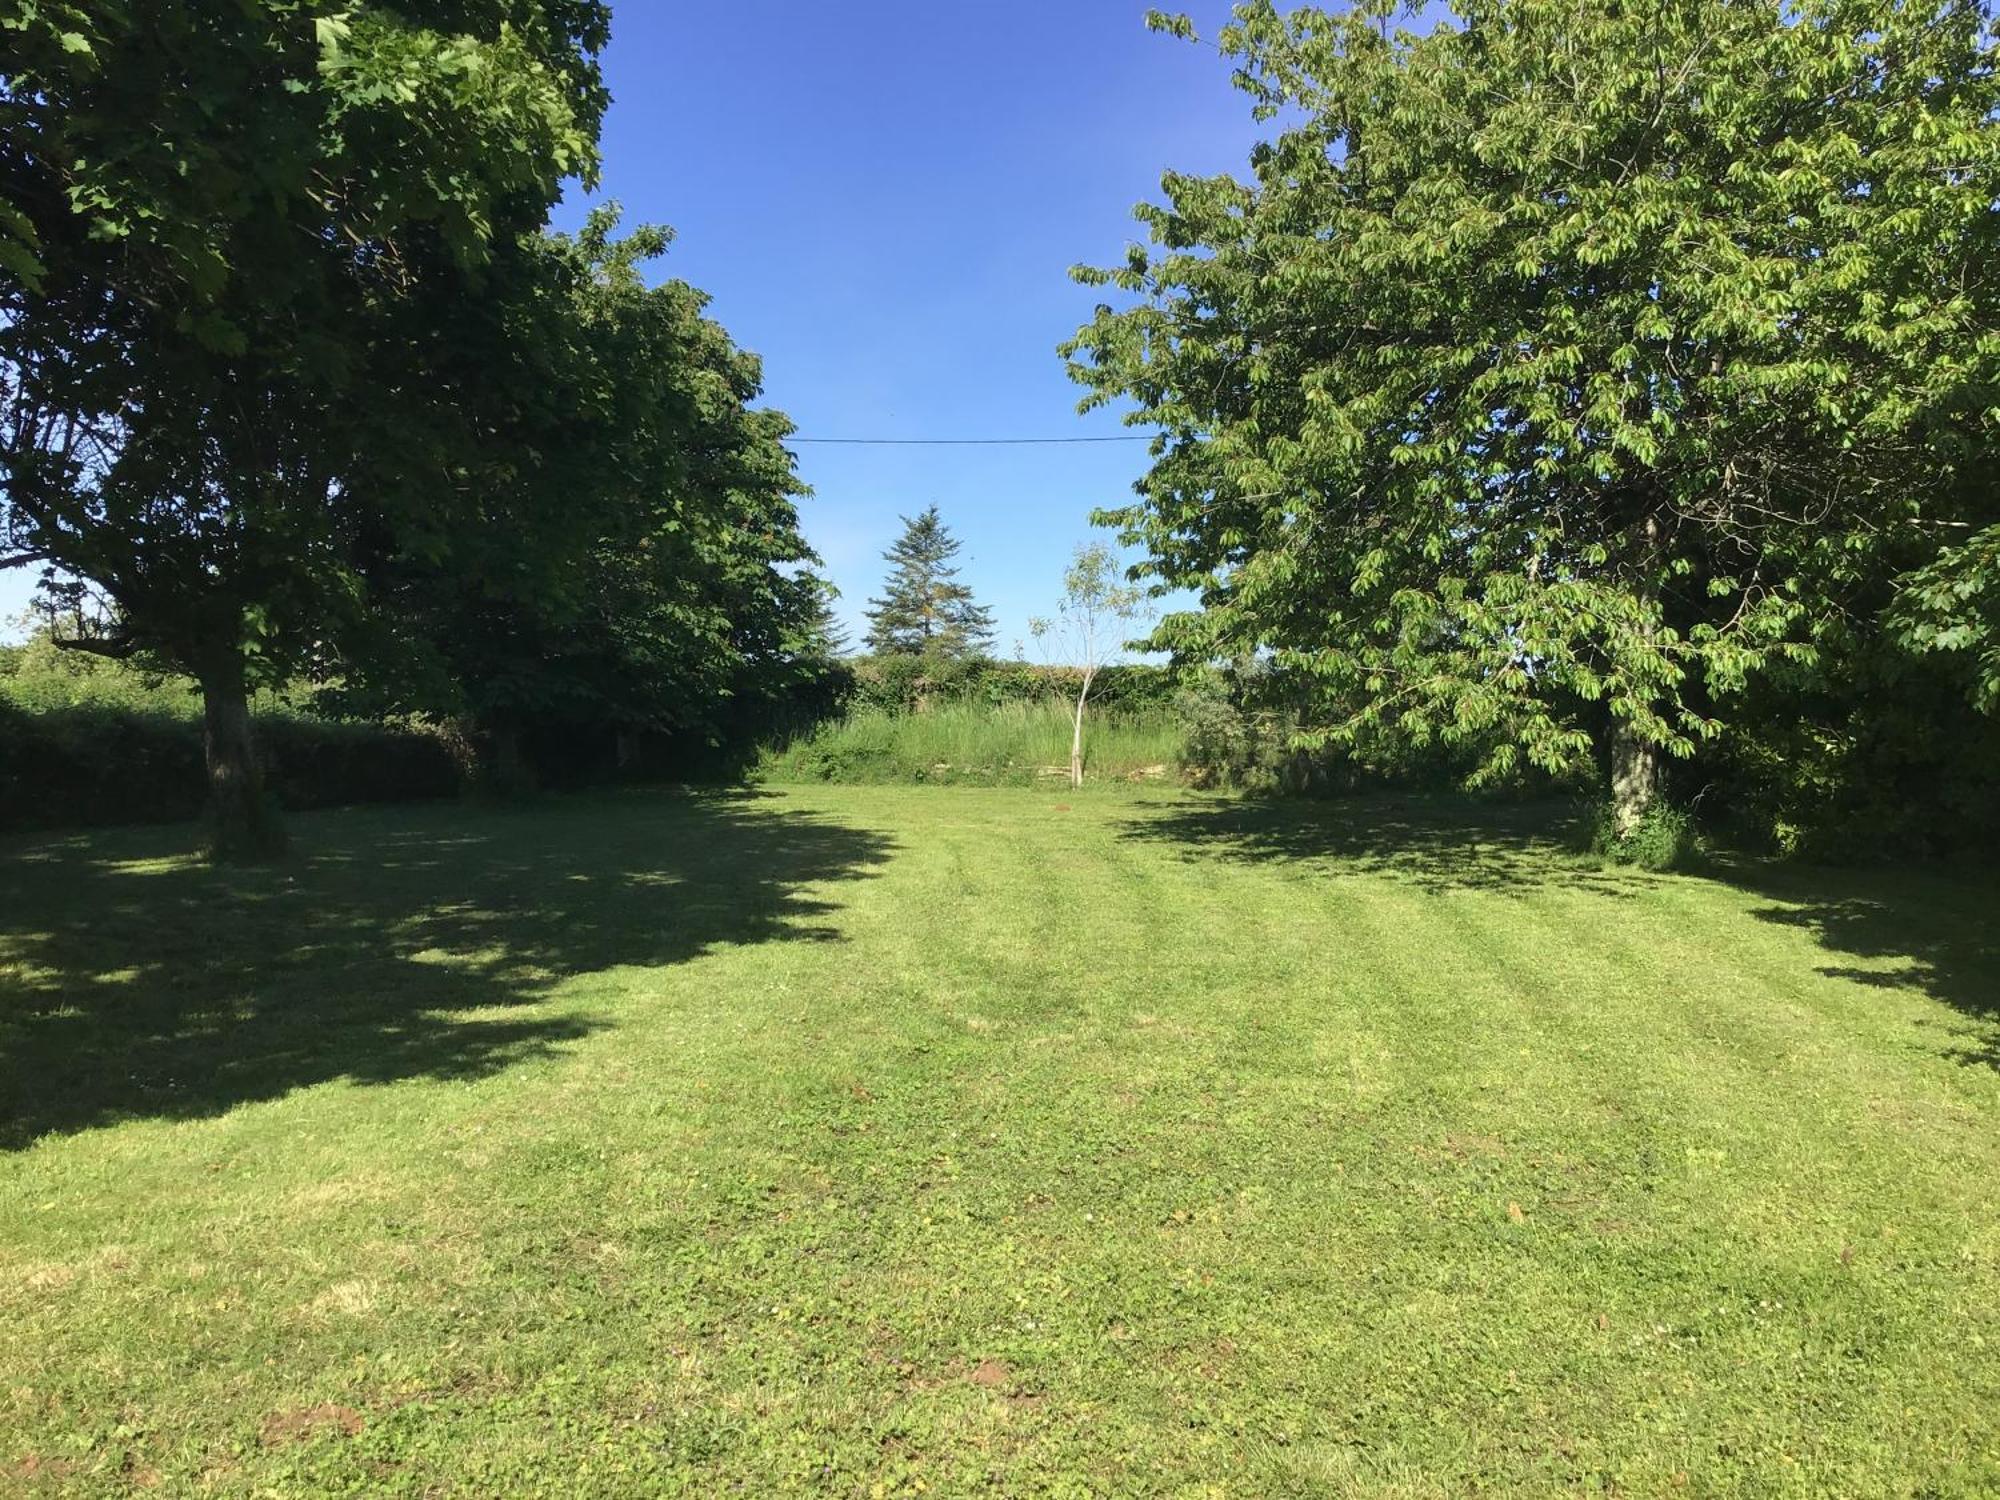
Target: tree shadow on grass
x,y
137,982
1438,843
1931,932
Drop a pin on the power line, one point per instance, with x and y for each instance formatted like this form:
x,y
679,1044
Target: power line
x,y
968,442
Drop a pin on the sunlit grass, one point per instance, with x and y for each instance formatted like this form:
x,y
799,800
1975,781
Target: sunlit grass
x,y
878,1140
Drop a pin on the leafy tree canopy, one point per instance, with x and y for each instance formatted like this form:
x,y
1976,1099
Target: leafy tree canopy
x,y
239,246
1565,367
666,574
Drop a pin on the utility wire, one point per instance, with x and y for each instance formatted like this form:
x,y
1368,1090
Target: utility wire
x,y
967,442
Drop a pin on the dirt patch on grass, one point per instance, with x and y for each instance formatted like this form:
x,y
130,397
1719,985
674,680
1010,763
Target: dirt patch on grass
x,y
36,1470
307,1422
47,1276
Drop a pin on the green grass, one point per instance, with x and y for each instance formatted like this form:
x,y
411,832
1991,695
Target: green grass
x,y
863,1140
991,744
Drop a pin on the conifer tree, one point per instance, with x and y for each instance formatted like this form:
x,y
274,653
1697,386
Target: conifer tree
x,y
923,609
829,636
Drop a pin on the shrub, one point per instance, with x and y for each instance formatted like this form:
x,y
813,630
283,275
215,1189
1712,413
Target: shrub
x,y
985,744
909,684
96,763
1662,839
1892,763
1241,729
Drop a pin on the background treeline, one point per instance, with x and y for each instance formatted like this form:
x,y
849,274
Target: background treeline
x,y
1572,397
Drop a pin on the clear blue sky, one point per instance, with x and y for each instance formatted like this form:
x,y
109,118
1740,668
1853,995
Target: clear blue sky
x,y
883,199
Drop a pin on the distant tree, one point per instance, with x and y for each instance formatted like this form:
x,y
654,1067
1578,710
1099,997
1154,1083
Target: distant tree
x,y
239,246
1089,627
1556,377
827,631
923,609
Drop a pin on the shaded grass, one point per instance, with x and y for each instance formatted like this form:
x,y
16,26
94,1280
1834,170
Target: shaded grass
x,y
978,743
873,1137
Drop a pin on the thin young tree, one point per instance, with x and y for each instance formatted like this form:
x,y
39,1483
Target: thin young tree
x,y
924,610
1097,610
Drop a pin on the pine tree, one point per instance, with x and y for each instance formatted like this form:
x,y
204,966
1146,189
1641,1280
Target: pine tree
x,y
829,636
922,609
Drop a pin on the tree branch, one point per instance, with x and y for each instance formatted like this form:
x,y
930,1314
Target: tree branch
x,y
21,559
117,647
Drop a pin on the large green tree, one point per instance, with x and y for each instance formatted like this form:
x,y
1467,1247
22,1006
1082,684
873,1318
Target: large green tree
x,y
667,588
239,246
924,609
1557,372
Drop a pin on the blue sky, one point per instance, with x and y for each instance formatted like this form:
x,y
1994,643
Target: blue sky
x,y
883,199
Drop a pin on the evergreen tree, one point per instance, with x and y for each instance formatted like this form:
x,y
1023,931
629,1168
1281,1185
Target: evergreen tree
x,y
923,610
828,634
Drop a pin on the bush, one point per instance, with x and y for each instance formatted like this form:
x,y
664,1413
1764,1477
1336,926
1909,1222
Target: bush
x,y
1890,762
90,764
913,684
1241,729
974,743
1662,839
1226,744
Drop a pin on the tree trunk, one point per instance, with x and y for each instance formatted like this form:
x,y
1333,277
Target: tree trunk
x,y
1635,762
1076,735
505,771
242,824
1635,778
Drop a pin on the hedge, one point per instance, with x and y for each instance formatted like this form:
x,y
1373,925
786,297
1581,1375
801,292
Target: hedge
x,y
900,684
94,764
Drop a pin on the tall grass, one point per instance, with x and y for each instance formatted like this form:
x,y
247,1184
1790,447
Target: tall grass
x,y
1002,743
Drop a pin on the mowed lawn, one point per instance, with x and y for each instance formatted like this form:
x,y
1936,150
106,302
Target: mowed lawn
x,y
872,1141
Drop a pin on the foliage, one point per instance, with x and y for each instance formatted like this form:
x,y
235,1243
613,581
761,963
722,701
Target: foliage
x,y
39,676
97,760
924,610
1556,374
1953,605
242,276
1096,606
1876,756
862,1137
666,590
1245,727
902,684
829,635
1662,838
1023,743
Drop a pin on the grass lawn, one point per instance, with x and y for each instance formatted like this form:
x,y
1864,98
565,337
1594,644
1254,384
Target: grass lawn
x,y
870,1141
